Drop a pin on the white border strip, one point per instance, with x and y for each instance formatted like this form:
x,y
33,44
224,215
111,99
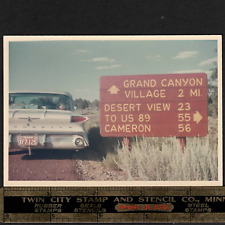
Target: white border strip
x,y
113,38
220,115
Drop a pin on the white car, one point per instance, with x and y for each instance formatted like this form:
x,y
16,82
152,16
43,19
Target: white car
x,y
45,120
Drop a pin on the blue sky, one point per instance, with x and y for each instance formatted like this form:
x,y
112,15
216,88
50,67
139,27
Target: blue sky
x,y
76,66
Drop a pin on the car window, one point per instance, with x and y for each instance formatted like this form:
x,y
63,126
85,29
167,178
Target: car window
x,y
40,101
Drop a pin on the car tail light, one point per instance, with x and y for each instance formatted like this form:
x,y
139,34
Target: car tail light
x,y
78,119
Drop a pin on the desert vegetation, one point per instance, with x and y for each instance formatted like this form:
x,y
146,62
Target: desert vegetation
x,y
158,159
213,93
162,159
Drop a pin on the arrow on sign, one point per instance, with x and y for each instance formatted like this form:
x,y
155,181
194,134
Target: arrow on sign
x,y
113,89
197,117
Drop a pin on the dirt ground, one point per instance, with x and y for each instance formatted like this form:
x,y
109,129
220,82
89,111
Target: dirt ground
x,y
42,165
58,165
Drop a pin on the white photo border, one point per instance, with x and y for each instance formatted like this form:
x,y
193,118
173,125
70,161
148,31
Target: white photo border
x,y
8,183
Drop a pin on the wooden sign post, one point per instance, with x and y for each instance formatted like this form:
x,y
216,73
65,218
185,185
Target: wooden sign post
x,y
154,105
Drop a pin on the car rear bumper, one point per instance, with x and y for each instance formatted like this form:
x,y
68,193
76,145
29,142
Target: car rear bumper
x,y
51,141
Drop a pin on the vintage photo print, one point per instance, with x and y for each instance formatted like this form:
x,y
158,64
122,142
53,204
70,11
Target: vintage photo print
x,y
113,110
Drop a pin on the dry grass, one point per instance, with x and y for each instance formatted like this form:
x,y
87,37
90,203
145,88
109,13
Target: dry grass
x,y
161,159
158,159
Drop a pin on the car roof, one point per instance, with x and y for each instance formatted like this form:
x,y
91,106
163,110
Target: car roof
x,y
42,92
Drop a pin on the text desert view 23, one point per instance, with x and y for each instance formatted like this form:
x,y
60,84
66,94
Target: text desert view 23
x,y
108,111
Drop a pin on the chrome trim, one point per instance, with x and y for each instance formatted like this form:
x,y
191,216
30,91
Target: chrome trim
x,y
52,141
